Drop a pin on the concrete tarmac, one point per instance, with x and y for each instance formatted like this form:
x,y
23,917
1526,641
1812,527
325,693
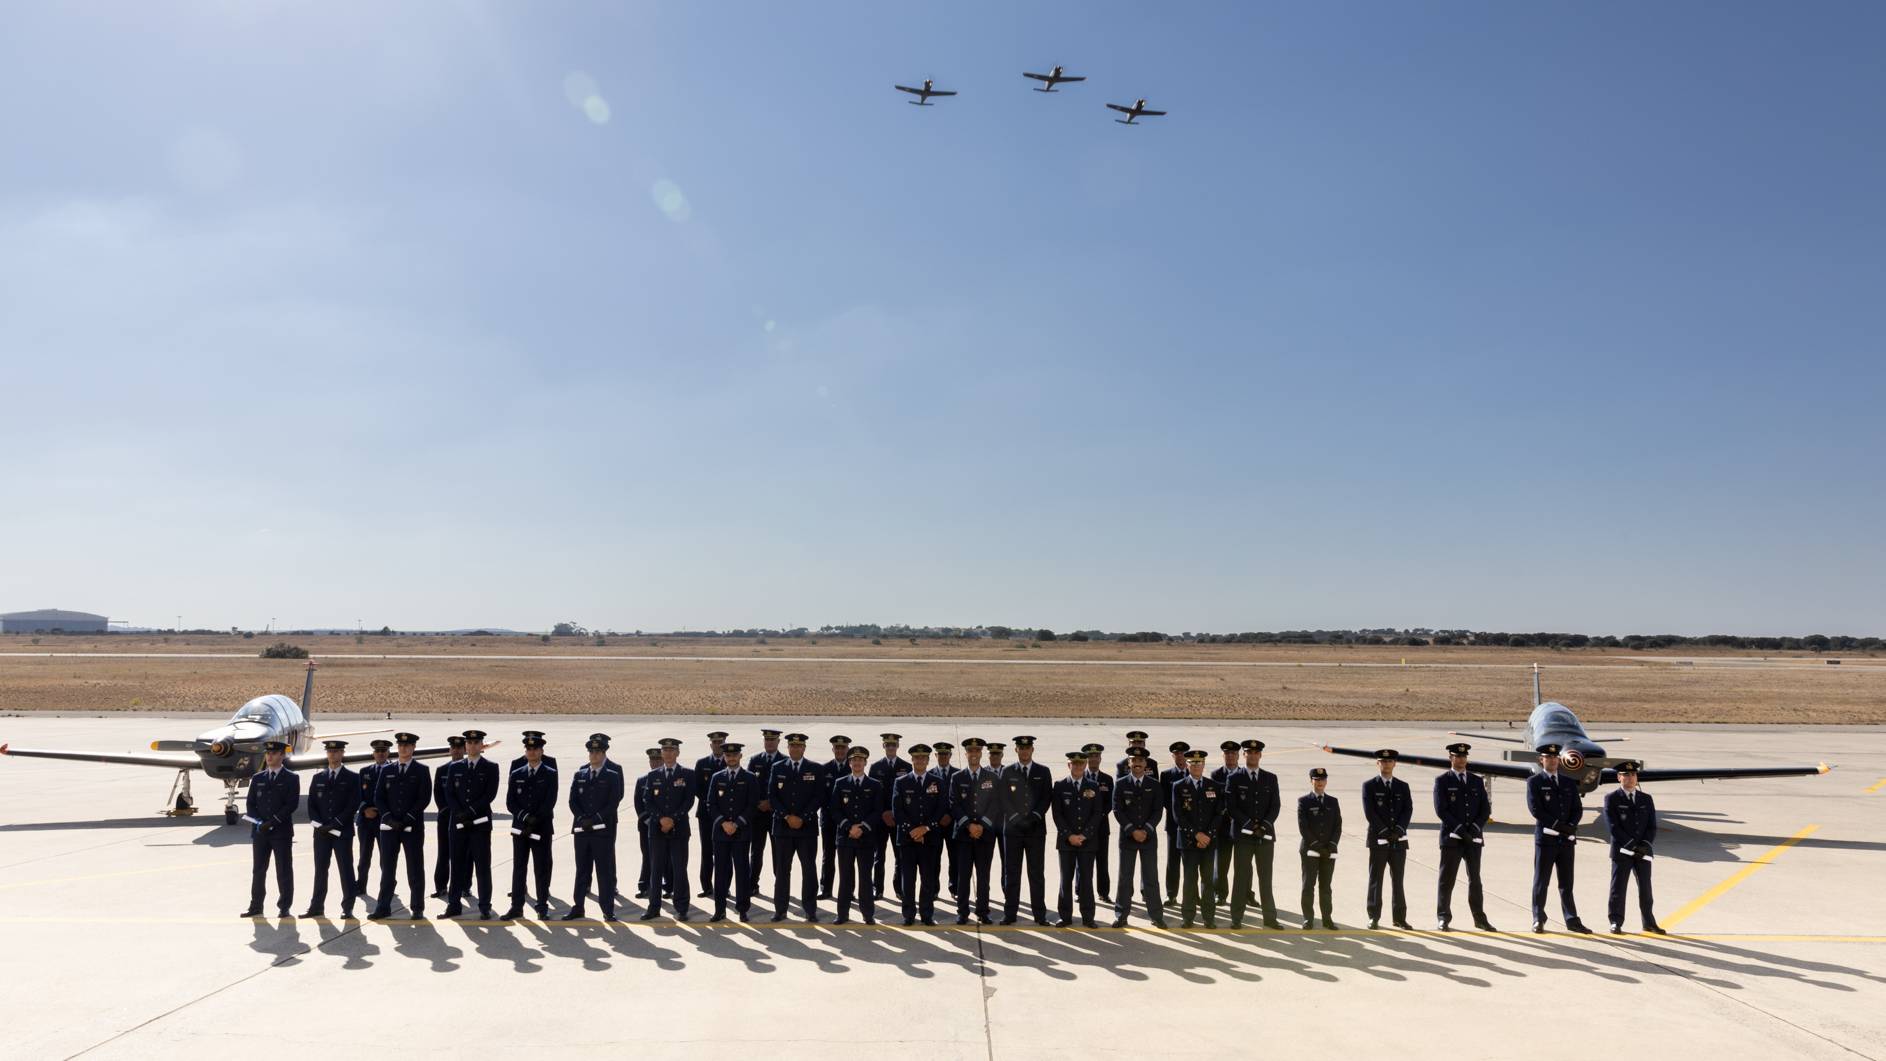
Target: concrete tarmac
x,y
121,937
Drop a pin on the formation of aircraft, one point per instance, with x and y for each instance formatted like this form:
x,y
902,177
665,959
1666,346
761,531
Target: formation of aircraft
x,y
1582,757
1055,76
232,752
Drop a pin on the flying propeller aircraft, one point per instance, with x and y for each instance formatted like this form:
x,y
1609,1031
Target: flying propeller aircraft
x,y
1054,77
232,752
1137,110
1581,756
923,94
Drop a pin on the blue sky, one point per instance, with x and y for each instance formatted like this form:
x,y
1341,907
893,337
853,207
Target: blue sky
x,y
1507,316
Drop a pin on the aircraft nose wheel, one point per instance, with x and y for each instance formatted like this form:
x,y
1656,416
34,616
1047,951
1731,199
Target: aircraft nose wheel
x,y
229,815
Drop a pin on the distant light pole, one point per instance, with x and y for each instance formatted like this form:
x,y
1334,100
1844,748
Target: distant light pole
x,y
271,625
179,627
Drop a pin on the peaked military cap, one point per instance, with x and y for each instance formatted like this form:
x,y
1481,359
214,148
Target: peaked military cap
x,y
455,741
533,742
1196,755
770,733
599,736
796,738
1628,766
841,740
858,753
975,742
920,749
1093,749
405,738
890,738
1076,757
732,749
1137,734
334,745
1228,746
1138,753
1253,745
942,746
596,744
1459,747
669,742
274,746
1317,773
474,734
654,753
719,734
1387,755
380,745
995,745
1178,746
1023,742
1548,749
533,733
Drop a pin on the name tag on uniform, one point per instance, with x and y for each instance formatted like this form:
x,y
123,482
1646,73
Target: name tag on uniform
x,y
1209,794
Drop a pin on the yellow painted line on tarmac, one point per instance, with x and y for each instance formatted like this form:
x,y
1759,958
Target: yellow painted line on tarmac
x,y
1876,786
121,873
1695,905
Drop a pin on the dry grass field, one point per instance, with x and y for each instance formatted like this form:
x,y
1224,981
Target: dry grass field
x,y
414,675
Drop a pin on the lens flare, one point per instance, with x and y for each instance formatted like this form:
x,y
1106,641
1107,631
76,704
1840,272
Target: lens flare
x,y
669,200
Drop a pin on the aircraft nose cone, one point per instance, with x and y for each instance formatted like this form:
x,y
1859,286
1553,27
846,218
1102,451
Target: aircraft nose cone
x,y
1573,759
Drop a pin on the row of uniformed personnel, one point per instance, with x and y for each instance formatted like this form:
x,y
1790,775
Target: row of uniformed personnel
x,y
1220,829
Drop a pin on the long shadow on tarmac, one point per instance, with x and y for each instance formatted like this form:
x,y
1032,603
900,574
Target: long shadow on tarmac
x,y
210,834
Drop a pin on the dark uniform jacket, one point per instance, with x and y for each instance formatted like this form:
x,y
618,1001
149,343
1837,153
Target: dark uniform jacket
x,y
704,770
1169,778
595,796
885,772
532,800
1138,805
333,802
1319,822
1633,821
369,786
273,803
470,790
856,801
975,796
1388,803
921,799
760,765
732,796
1104,782
1462,806
402,795
1197,807
441,786
1555,804
1079,810
1254,804
1027,790
797,790
670,793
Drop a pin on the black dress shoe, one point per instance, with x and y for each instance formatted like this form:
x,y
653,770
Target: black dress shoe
x,y
1088,922
543,913
1329,924
1006,921
1617,929
1187,923
1578,927
649,915
438,895
745,917
1539,927
705,895
251,912
611,918
512,914
1309,923
1119,922
841,919
962,919
826,897
485,914
777,918
1211,922
641,893
380,915
284,912
1160,922
1273,923
909,921
313,911
931,921
1403,925
812,917
453,911
1236,924
1655,929
1484,925
577,913
870,919
1374,923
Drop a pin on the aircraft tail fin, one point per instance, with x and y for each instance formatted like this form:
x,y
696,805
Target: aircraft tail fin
x,y
307,690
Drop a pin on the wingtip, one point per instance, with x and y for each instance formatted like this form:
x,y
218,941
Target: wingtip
x,y
1825,767
3,749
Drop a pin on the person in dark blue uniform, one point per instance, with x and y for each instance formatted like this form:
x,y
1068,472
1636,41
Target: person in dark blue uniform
x,y
1169,779
832,769
1556,807
1026,791
798,788
856,804
920,803
1319,823
1198,806
1224,849
732,797
885,772
472,787
615,831
1388,803
533,734
531,799
1103,871
595,799
640,802
1463,805
760,765
274,795
996,750
671,793
442,824
333,800
1632,817
1139,802
1078,811
704,770
401,794
974,806
367,822
1253,804
1135,740
944,771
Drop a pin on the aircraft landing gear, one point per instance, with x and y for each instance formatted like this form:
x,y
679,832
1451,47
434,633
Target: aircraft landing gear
x,y
182,804
229,803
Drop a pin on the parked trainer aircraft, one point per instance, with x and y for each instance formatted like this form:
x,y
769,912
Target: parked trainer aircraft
x,y
1581,757
232,752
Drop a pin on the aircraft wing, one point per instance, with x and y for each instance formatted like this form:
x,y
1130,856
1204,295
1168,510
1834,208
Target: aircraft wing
x,y
1151,114
940,92
1043,77
1481,767
318,760
1065,79
1717,773
1489,736
352,733
171,761
1122,110
913,91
